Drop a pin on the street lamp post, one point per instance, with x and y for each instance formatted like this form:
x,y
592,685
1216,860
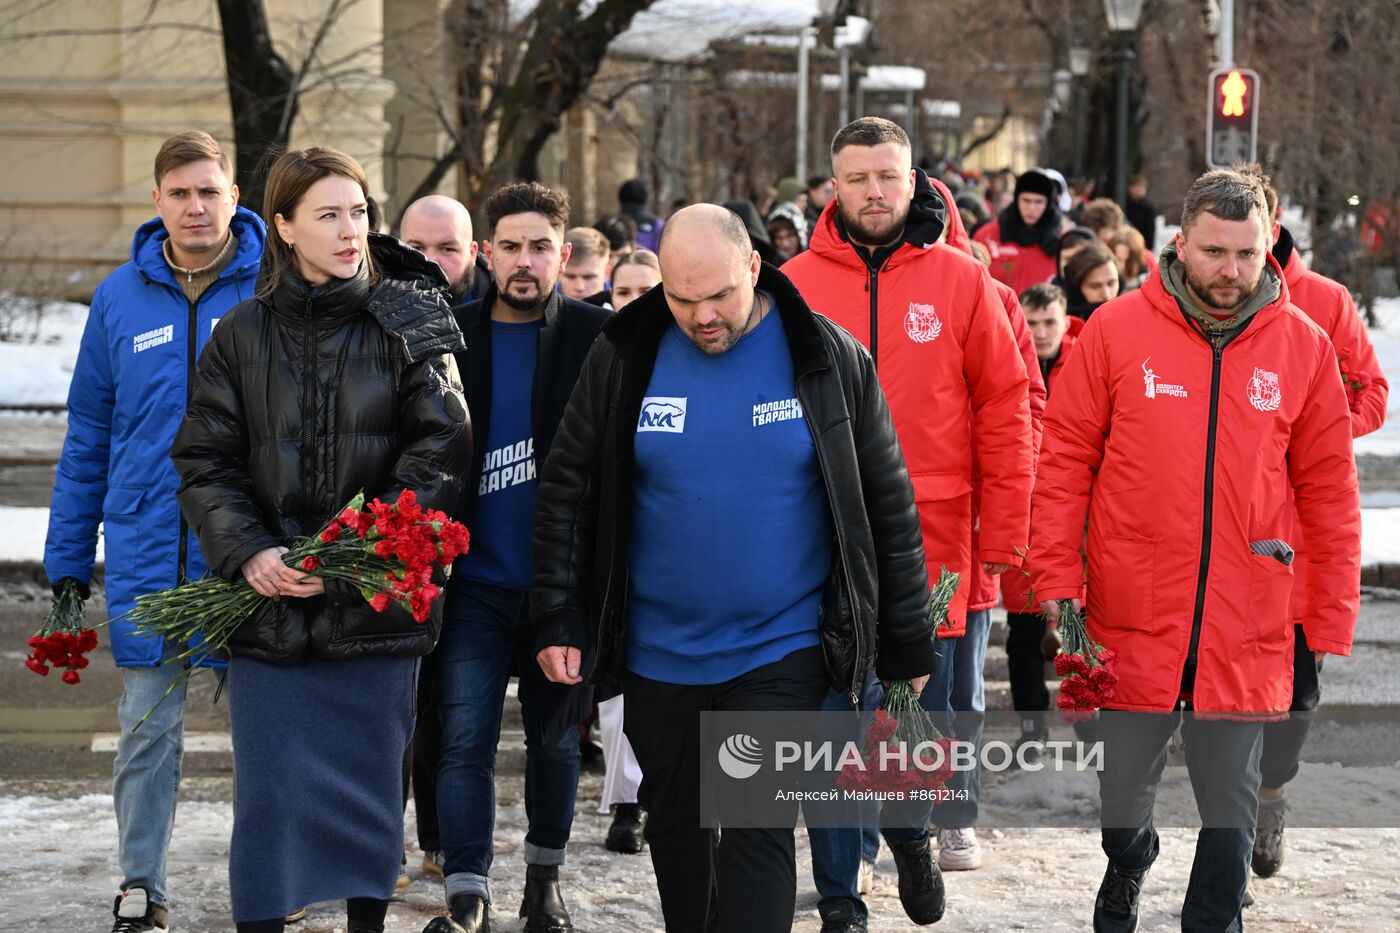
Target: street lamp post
x,y
852,34
1079,58
1123,18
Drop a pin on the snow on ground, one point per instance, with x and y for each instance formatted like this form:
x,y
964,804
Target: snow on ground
x,y
22,533
1386,339
38,373
1034,879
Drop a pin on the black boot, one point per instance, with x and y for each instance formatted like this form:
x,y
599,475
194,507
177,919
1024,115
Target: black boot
x,y
468,914
1116,907
920,882
543,905
626,832
363,926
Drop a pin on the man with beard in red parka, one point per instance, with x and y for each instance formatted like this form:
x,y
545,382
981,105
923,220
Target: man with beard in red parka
x,y
944,350
1198,424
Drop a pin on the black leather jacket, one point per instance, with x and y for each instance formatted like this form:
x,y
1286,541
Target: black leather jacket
x,y
301,401
876,606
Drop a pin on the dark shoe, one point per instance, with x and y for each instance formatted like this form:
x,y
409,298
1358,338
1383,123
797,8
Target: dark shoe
x,y
467,914
543,905
920,882
1116,907
1268,838
843,918
136,913
363,926
626,832
296,916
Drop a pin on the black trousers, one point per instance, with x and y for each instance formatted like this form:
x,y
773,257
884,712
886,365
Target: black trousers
x,y
1222,758
1026,661
420,763
743,879
1283,741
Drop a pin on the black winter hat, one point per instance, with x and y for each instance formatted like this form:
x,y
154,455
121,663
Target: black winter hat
x,y
633,191
1033,182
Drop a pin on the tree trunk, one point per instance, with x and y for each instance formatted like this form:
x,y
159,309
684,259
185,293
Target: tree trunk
x,y
261,92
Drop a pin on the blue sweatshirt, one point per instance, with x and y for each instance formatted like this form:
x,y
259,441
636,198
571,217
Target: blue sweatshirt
x,y
731,539
504,518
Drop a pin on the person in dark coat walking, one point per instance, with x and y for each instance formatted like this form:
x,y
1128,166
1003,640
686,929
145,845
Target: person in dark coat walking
x,y
711,554
336,377
526,345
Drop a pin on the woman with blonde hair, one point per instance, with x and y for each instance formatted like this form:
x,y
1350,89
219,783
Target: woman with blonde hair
x,y
336,377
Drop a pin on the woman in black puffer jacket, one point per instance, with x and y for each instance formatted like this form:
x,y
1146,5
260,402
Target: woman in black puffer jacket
x,y
337,377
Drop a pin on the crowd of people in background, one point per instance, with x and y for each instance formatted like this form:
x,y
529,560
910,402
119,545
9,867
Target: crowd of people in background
x,y
333,358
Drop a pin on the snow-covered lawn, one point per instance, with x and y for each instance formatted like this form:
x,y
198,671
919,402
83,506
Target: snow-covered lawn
x,y
38,373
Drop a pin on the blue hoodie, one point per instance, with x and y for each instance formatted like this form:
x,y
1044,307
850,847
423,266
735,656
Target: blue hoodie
x,y
128,395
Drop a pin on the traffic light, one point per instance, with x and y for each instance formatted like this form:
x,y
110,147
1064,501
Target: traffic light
x,y
1232,117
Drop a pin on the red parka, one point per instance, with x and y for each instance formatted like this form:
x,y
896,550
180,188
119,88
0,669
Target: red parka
x,y
1016,591
1330,307
1182,455
982,589
1020,267
942,345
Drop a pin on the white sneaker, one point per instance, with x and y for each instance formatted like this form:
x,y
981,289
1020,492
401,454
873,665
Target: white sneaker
x,y
866,883
958,850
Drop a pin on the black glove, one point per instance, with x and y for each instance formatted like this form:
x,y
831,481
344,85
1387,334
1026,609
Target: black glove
x,y
84,591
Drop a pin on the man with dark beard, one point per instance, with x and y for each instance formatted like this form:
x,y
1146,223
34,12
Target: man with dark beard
x,y
944,348
1201,428
526,345
1024,239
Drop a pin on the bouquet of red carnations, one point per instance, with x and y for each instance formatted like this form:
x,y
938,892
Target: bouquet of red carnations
x,y
1356,382
1086,668
62,641
900,752
904,751
386,550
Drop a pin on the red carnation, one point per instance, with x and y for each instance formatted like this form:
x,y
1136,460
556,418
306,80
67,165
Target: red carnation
x,y
70,676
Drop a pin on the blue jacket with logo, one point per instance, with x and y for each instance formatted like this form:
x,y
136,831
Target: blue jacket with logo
x,y
133,377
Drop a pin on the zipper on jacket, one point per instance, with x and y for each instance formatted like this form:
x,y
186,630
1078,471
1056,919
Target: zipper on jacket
x,y
875,316
858,668
1188,675
307,400
182,552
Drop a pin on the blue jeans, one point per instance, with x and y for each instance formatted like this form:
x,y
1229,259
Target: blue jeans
x,y
484,633
146,774
838,851
968,703
955,697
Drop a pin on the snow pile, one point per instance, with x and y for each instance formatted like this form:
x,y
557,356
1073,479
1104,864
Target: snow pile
x,y
22,534
1386,339
38,373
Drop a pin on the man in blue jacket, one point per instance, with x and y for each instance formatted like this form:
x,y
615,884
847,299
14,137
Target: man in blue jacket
x,y
135,370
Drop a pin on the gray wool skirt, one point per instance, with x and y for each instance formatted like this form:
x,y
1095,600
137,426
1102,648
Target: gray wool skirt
x,y
318,781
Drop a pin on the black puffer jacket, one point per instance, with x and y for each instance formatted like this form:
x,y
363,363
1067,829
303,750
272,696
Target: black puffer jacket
x,y
303,400
876,605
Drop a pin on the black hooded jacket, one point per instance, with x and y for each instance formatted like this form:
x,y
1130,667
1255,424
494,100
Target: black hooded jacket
x,y
876,604
304,399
